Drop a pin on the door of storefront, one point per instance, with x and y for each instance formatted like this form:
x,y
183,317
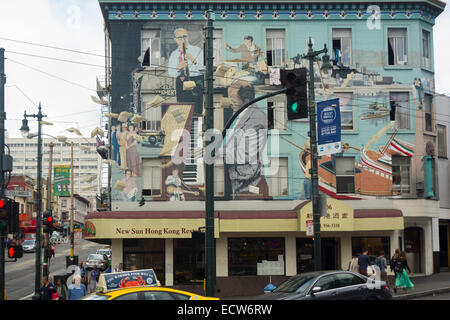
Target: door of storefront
x,y
443,245
305,254
413,248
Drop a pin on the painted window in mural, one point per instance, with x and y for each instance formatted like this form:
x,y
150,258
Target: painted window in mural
x,y
276,113
276,47
399,102
442,140
397,47
151,47
346,109
152,177
219,181
278,182
426,62
345,174
218,47
244,255
428,101
152,121
401,170
342,46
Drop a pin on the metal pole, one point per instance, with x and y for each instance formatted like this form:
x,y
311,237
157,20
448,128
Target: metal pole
x,y
210,246
71,206
37,284
2,174
313,158
45,269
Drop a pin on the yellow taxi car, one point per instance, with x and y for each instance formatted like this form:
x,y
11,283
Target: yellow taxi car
x,y
137,285
146,293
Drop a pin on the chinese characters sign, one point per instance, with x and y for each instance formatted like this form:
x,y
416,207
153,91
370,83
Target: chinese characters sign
x,y
61,183
339,217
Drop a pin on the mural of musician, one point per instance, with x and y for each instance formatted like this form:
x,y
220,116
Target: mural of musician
x,y
186,64
250,53
176,188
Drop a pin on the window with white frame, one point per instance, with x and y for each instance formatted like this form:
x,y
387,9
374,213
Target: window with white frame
x,y
278,182
219,182
342,46
151,177
346,109
345,174
399,102
217,47
401,169
276,113
397,47
152,115
428,102
426,52
442,140
276,47
151,47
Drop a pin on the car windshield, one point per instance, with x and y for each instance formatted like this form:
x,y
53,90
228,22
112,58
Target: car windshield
x,y
295,284
28,242
103,251
95,257
95,296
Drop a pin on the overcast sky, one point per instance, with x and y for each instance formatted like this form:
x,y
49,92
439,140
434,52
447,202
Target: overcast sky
x,y
78,25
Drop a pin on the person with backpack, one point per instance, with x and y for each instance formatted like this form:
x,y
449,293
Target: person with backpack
x,y
401,279
381,263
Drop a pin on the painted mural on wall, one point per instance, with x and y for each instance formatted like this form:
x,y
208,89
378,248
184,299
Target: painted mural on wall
x,y
168,91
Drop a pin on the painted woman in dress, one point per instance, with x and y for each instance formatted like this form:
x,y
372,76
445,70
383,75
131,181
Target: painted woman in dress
x,y
134,162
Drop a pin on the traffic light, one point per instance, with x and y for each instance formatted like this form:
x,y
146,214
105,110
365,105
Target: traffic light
x,y
297,98
48,222
15,251
3,213
13,217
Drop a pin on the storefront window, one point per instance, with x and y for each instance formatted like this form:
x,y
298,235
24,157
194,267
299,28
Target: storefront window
x,y
374,244
244,254
145,254
305,254
189,261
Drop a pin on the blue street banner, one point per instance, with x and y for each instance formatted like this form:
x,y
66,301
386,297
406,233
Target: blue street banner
x,y
328,127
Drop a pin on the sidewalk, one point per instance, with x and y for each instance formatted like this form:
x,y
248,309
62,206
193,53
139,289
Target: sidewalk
x,y
425,285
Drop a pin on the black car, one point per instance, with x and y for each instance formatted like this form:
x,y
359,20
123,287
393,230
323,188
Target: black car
x,y
329,285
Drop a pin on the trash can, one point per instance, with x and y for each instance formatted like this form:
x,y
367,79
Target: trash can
x,y
68,262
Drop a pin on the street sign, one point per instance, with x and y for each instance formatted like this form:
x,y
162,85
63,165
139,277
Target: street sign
x,y
61,181
19,193
328,127
310,228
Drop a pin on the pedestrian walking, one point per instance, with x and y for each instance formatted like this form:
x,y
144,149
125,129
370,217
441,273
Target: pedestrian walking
x,y
353,264
47,289
61,289
364,263
53,250
394,259
402,279
82,273
382,264
76,290
93,279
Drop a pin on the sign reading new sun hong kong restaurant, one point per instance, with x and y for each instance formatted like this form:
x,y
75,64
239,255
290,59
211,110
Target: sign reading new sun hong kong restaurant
x,y
339,216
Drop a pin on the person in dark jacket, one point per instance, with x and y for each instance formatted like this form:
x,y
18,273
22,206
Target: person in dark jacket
x,y
364,262
47,289
402,280
394,259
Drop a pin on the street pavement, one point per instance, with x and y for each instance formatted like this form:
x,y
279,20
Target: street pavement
x,y
426,286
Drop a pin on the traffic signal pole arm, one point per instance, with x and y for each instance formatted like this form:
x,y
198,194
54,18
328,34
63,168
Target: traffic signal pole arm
x,y
245,106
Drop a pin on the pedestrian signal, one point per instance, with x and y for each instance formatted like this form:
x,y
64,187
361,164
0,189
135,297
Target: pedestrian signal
x,y
15,251
3,213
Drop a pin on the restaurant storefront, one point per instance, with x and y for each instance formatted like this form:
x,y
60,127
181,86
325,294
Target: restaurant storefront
x,y
252,247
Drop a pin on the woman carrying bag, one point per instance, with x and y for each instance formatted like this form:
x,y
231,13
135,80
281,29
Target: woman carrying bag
x,y
401,277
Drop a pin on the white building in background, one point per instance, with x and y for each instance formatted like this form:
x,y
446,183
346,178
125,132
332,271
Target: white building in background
x,y
442,224
86,163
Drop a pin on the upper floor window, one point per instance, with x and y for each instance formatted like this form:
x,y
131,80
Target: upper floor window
x,y
442,140
426,52
399,102
152,115
397,47
342,46
276,47
276,113
345,174
150,47
400,174
428,101
151,177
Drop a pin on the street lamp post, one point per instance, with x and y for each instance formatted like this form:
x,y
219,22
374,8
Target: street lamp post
x,y
25,129
314,173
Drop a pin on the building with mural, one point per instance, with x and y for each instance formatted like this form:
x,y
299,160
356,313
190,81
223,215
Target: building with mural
x,y
381,188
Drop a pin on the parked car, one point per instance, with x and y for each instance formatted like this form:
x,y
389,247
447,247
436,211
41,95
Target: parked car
x,y
98,260
106,252
329,285
29,245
